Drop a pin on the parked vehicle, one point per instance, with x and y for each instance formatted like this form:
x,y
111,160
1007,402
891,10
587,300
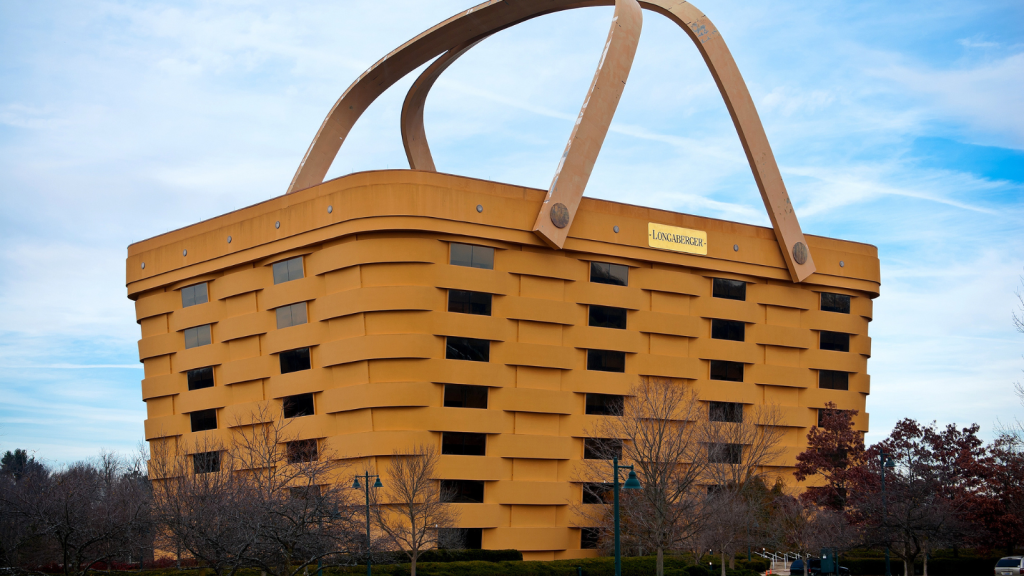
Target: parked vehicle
x,y
1008,566
814,566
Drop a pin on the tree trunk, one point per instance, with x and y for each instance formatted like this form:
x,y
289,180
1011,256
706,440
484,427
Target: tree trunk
x,y
412,565
732,561
723,562
925,570
660,566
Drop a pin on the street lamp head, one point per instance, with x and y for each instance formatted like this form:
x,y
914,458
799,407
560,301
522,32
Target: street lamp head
x,y
377,484
889,463
356,484
631,482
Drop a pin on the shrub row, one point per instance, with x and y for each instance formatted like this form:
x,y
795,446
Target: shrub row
x,y
642,566
936,566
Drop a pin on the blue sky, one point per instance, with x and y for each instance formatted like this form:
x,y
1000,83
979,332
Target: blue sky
x,y
895,124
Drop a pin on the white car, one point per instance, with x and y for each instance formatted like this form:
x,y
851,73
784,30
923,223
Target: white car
x,y
1008,566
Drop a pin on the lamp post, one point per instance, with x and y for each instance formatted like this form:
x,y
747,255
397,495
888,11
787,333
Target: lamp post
x,y
631,484
377,484
885,462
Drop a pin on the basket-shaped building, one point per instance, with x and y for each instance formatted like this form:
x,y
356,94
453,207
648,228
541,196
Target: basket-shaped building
x,y
389,309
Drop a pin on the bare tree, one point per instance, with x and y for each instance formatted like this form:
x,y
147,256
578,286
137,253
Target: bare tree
x,y
268,501
657,433
739,445
414,508
85,515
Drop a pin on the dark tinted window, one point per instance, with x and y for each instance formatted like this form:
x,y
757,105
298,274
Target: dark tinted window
x,y
835,341
304,492
604,404
192,295
200,378
608,317
725,453
590,538
462,491
1008,563
727,330
822,413
460,538
198,336
204,420
731,371
288,270
833,380
605,273
291,315
472,349
466,302
597,493
835,303
294,360
725,411
298,405
463,396
206,462
302,451
602,448
606,360
463,443
472,256
731,289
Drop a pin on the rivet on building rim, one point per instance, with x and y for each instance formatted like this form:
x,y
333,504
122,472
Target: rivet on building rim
x,y
842,264
559,215
330,209
143,265
616,229
479,208
229,239
184,252
277,224
735,247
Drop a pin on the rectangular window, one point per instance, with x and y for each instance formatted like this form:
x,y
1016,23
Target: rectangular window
x,y
288,270
462,491
605,273
729,371
291,315
729,289
606,360
472,349
304,492
301,451
837,341
725,453
590,538
468,302
195,294
608,317
727,330
198,336
206,462
294,360
460,538
298,405
463,443
463,396
602,448
833,380
835,303
725,411
597,493
605,404
204,420
472,256
200,378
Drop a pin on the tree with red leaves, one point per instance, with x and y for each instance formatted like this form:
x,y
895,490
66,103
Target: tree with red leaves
x,y
834,451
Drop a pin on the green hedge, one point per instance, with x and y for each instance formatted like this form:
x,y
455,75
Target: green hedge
x,y
936,566
643,566
470,556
